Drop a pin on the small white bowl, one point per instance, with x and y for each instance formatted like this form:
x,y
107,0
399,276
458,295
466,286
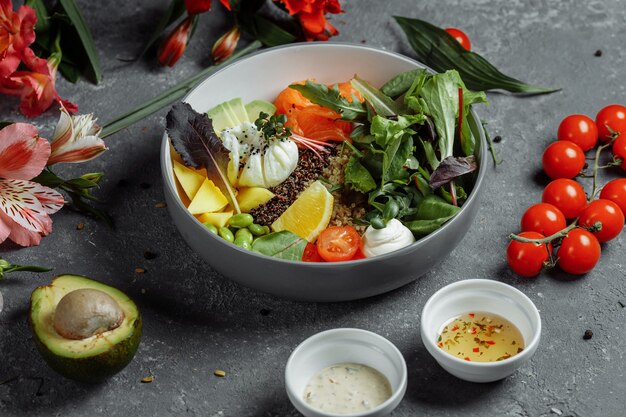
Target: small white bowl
x,y
340,346
480,295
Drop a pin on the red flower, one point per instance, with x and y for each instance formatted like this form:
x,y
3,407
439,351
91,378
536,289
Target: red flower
x,y
174,45
225,45
311,14
197,6
226,3
36,87
16,34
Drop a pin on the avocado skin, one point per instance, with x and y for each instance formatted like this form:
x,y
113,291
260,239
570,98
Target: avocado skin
x,y
97,368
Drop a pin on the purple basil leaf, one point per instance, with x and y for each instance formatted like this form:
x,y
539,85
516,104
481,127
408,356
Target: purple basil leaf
x,y
194,138
451,168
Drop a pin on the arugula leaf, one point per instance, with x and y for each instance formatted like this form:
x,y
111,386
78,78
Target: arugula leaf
x,y
381,104
432,213
194,138
451,168
440,51
79,24
331,98
385,130
283,245
358,177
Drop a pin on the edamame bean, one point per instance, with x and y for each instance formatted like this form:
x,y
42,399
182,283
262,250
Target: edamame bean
x,y
258,230
244,244
244,235
211,228
241,220
226,234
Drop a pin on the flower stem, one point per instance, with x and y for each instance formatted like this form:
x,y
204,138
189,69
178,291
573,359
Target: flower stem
x,y
557,235
170,95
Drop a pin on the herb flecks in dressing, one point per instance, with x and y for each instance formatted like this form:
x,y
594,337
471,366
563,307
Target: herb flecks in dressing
x,y
347,388
480,337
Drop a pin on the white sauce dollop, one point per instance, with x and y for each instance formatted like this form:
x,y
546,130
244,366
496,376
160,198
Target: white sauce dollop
x,y
347,388
380,241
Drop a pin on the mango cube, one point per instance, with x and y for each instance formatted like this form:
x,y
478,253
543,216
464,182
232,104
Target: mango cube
x,y
216,219
190,179
209,198
250,198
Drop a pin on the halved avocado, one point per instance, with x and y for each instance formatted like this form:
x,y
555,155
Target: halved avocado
x,y
93,358
228,114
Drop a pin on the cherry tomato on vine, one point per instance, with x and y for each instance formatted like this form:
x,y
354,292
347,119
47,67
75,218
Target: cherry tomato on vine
x,y
527,259
619,149
311,254
563,159
579,129
606,212
615,191
613,116
579,252
566,195
543,218
460,37
338,243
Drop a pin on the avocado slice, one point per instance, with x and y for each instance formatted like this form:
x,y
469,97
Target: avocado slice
x,y
228,114
93,358
255,107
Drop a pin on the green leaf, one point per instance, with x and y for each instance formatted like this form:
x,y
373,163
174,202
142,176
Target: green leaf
x,y
432,213
81,183
283,245
43,22
401,83
381,104
358,177
440,51
29,268
394,158
385,130
5,123
49,179
85,36
169,96
174,11
331,98
269,33
70,72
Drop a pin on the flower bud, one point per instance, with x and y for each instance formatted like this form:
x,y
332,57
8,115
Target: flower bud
x,y
174,45
197,6
75,139
226,45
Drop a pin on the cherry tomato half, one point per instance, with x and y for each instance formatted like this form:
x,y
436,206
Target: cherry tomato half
x,y
579,129
311,254
563,159
543,218
615,191
613,117
338,243
606,212
566,195
460,37
579,252
527,259
619,149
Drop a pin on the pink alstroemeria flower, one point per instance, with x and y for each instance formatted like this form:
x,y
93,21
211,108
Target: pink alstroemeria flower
x,y
17,32
25,205
76,139
36,87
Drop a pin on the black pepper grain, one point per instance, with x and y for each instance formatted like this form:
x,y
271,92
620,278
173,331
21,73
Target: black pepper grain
x,y
598,53
497,139
588,334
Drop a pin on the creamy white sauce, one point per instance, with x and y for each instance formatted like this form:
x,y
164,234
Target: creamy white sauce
x,y
347,388
380,241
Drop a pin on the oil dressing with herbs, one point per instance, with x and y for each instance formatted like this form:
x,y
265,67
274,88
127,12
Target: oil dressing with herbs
x,y
480,337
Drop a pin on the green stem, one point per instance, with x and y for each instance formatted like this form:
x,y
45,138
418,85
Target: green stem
x,y
170,95
491,148
557,235
595,190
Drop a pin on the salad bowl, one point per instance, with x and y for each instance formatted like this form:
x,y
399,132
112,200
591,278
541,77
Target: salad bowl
x,y
262,76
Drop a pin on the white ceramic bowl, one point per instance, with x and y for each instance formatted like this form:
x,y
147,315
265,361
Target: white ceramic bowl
x,y
340,346
263,76
480,295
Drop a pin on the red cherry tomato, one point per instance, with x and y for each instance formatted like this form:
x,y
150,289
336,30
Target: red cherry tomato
x,y
358,255
613,117
579,129
338,243
606,212
619,149
311,254
460,37
543,218
615,191
563,159
566,195
579,252
527,259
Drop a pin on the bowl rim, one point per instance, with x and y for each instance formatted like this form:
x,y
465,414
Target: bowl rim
x,y
169,183
530,309
398,359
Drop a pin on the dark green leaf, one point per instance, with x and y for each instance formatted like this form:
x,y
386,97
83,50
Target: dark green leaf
x,y
394,159
43,23
85,36
283,245
358,177
48,179
174,11
79,183
381,104
432,213
266,31
401,83
331,98
70,72
5,123
440,51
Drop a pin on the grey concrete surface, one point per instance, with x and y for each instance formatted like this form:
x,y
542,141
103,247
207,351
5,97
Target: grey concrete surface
x,y
196,321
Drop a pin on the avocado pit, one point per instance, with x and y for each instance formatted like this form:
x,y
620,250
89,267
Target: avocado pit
x,y
86,312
